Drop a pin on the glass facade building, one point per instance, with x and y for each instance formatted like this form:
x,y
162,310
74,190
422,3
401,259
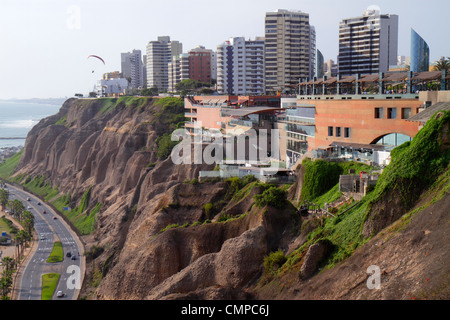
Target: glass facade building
x,y
420,53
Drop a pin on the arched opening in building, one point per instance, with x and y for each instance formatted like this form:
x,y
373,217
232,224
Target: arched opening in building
x,y
392,139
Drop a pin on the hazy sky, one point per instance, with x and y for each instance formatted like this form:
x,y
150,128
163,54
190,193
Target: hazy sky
x,y
45,43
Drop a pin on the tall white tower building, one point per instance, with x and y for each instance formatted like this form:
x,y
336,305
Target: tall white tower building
x,y
133,68
159,55
368,44
240,66
289,46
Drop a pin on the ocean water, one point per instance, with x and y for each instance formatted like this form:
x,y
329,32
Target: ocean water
x,y
17,119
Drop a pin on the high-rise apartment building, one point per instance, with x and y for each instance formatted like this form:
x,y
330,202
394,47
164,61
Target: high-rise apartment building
x,y
330,68
159,54
178,70
132,68
240,66
200,60
368,44
312,52
288,46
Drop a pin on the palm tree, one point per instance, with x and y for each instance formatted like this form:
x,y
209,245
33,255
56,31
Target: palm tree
x,y
9,264
443,64
17,208
28,222
4,196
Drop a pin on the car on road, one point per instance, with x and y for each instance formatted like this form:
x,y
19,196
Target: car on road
x,y
42,237
68,254
54,218
29,208
73,257
38,203
60,294
28,199
44,212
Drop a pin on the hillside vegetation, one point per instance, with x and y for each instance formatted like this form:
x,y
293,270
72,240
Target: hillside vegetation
x,y
416,179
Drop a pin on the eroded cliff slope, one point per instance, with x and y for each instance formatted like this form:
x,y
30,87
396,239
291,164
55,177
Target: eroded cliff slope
x,y
152,231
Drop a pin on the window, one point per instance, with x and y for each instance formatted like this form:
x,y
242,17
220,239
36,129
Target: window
x,y
330,131
392,113
346,132
338,131
406,113
378,113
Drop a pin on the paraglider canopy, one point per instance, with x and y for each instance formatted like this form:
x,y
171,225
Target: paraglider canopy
x,y
94,56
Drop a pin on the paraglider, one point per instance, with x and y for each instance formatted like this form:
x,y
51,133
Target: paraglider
x,y
94,56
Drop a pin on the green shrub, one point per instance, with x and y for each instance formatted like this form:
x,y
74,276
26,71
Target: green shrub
x,y
274,261
272,196
207,209
85,200
320,176
194,181
165,146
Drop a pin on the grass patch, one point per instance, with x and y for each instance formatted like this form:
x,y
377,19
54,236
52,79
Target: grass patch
x,y
344,231
39,186
49,282
84,222
57,254
61,202
62,121
7,168
321,176
6,225
416,164
330,196
108,104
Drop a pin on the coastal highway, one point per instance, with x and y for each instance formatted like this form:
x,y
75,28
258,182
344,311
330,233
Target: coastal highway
x,y
49,229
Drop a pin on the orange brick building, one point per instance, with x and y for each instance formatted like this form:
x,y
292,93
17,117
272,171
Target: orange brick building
x,y
363,121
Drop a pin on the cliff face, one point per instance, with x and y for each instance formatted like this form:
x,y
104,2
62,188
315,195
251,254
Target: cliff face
x,y
162,235
153,237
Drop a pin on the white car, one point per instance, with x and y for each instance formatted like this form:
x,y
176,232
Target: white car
x,y
60,294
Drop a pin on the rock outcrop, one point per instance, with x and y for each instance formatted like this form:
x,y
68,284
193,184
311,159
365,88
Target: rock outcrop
x,y
153,238
162,235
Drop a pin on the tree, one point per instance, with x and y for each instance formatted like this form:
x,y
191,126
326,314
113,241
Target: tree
x,y
443,64
28,222
153,91
4,196
190,85
21,240
6,279
17,208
